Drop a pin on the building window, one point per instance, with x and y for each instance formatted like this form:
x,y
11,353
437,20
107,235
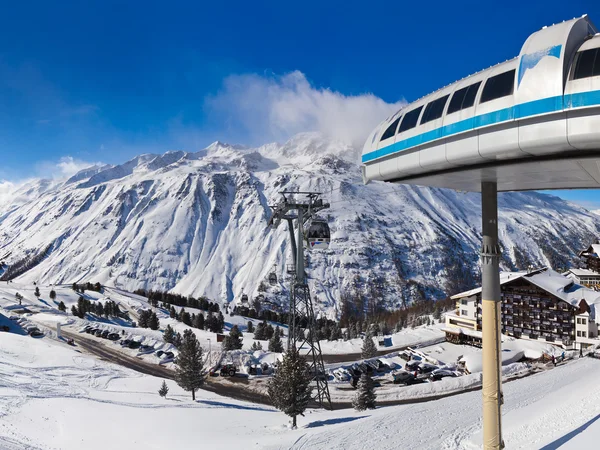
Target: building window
x,y
434,109
464,312
587,64
583,321
578,321
391,130
498,86
578,333
583,334
463,98
463,301
410,119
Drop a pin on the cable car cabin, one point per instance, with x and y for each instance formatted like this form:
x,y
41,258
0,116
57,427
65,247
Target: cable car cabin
x,y
318,235
272,278
244,298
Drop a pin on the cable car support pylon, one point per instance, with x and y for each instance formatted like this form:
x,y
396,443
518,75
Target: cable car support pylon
x,y
301,307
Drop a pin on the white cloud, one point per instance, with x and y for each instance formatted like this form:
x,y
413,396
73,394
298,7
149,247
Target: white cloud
x,y
6,190
65,167
277,107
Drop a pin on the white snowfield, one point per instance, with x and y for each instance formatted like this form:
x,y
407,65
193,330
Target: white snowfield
x,y
197,223
52,396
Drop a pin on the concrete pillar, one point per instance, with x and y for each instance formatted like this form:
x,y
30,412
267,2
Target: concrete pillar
x,y
490,301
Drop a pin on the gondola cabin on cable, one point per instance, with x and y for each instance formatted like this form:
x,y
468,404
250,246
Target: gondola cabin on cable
x,y
272,278
318,235
244,297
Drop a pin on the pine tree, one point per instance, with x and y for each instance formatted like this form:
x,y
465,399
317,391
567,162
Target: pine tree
x,y
365,396
169,334
369,350
74,310
234,340
259,332
186,318
269,331
99,309
275,344
153,322
220,323
289,389
256,346
199,323
37,292
145,316
250,328
172,312
53,294
189,369
62,307
177,340
164,389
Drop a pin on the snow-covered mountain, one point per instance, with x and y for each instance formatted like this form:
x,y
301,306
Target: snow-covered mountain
x,y
196,223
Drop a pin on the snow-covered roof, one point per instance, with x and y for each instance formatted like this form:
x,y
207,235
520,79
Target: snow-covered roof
x,y
592,250
582,273
505,277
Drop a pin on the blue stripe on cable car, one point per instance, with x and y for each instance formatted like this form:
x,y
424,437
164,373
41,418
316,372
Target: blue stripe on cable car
x,y
534,108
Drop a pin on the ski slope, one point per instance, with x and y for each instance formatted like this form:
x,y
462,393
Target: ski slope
x,y
52,396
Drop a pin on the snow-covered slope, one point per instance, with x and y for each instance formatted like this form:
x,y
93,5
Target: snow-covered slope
x,y
197,223
53,396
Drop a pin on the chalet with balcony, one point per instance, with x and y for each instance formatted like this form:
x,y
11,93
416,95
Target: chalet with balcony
x,y
540,305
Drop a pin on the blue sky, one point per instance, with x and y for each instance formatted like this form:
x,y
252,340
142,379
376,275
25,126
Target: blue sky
x,y
103,81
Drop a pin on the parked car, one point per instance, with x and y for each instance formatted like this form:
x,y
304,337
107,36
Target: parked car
x,y
70,341
426,368
145,349
125,342
412,365
105,334
90,330
134,344
402,376
341,374
114,336
34,332
14,317
437,375
98,333
159,353
415,380
167,357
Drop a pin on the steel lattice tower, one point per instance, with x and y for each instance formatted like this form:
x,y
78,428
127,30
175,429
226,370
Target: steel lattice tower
x,y
301,307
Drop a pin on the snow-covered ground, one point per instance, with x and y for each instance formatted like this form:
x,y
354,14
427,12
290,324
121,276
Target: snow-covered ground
x,y
52,396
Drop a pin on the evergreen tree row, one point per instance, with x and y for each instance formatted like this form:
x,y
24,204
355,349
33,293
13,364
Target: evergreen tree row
x,y
213,323
84,306
96,287
157,297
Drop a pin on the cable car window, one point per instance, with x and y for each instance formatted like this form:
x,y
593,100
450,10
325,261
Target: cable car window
x,y
391,131
434,109
410,120
463,98
498,86
587,64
